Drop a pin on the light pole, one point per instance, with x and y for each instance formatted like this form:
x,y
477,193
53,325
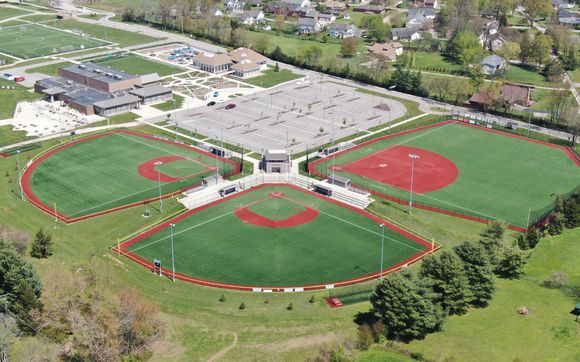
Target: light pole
x,y
413,158
19,182
159,163
382,248
172,254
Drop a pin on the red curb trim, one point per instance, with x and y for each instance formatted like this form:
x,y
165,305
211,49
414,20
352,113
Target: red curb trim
x,y
576,159
209,283
29,194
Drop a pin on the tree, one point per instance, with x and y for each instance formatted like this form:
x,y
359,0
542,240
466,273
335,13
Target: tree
x,y
526,47
476,76
8,332
279,22
20,284
558,102
556,280
402,307
572,119
512,263
479,271
441,86
509,50
42,245
536,8
554,70
377,29
311,55
262,43
349,46
445,274
465,48
541,50
492,240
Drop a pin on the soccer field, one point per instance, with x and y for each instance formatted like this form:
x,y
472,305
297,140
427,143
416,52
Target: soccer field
x,y
462,169
32,40
272,237
115,170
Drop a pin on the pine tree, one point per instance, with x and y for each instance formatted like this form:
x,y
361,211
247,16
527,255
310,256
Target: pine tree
x,y
400,304
512,263
42,245
479,271
445,273
492,240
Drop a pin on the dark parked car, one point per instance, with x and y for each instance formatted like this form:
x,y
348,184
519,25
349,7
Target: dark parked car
x,y
231,106
212,103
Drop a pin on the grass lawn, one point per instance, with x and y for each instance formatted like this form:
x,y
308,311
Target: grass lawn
x,y
31,41
121,37
467,151
548,333
7,13
520,74
8,136
295,240
170,105
37,18
575,75
271,78
135,64
10,97
411,106
112,170
432,61
50,69
116,119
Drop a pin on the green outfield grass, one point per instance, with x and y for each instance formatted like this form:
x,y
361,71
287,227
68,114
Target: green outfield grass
x,y
7,13
122,37
102,173
500,177
215,244
30,41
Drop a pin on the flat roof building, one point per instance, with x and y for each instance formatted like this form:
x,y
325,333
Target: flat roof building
x,y
276,161
99,77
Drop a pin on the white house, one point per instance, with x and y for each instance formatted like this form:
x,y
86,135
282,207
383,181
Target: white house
x,y
252,17
343,31
308,26
325,19
405,34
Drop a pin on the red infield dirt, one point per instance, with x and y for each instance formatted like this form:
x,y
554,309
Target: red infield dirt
x,y
392,166
148,169
302,217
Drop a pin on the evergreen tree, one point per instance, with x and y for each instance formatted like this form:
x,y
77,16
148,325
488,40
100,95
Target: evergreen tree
x,y
491,239
479,271
403,308
42,245
445,273
511,265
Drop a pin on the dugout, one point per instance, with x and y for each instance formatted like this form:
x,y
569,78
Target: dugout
x,y
339,181
227,191
322,190
211,180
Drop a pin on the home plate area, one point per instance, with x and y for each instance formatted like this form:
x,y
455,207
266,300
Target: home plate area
x,y
276,211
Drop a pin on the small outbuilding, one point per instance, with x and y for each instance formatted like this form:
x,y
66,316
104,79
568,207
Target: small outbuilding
x,y
276,161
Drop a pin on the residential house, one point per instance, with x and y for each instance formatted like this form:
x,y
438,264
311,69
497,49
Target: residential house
x,y
215,12
489,36
569,18
562,4
325,19
493,64
389,51
405,34
299,3
428,13
251,17
426,4
372,9
245,55
343,31
334,6
496,41
283,8
216,63
516,94
308,26
234,6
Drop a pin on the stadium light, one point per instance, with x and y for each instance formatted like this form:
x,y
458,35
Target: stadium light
x,y
382,249
413,158
19,174
172,254
159,163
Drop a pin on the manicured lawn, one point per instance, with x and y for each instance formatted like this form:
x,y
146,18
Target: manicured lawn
x,y
37,18
50,69
10,97
575,75
484,183
8,136
549,332
170,105
432,61
134,64
520,74
271,78
411,106
104,173
31,41
7,13
230,242
121,37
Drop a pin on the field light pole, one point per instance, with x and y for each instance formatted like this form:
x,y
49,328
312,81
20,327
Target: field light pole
x,y
19,179
413,158
172,253
382,249
159,163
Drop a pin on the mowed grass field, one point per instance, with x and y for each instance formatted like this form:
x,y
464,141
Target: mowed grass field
x,y
102,173
31,41
500,177
139,65
215,244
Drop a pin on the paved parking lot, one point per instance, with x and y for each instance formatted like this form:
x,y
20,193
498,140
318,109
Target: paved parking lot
x,y
293,116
